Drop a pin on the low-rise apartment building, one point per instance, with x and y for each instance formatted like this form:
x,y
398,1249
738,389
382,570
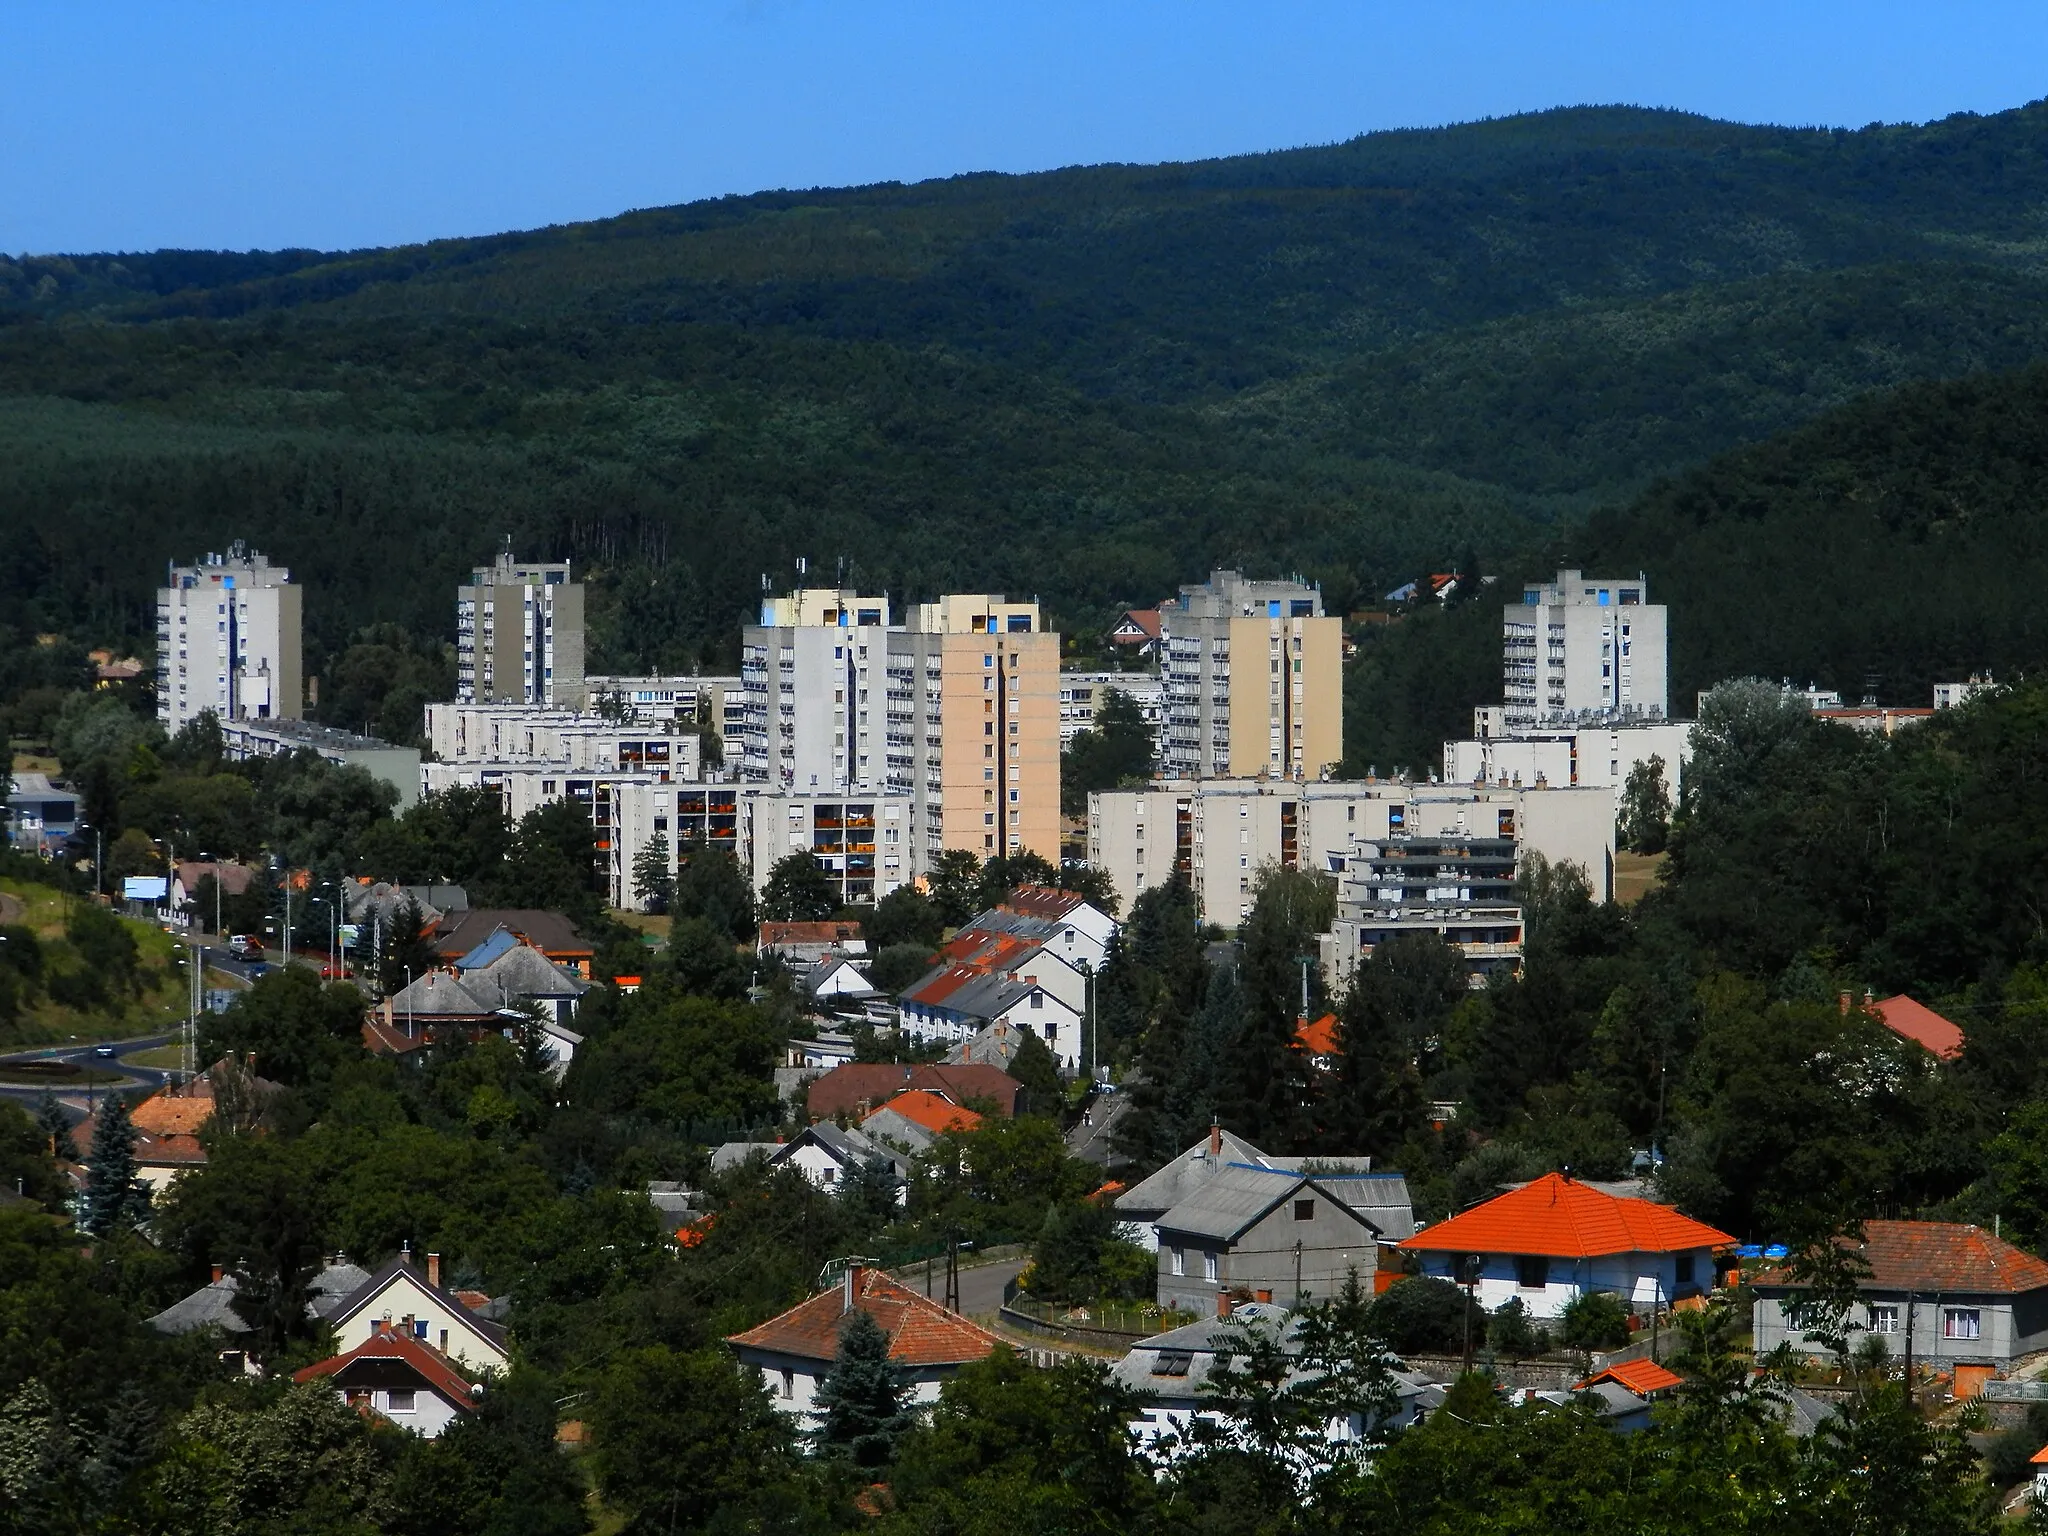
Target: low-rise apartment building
x,y
1600,754
1081,695
1458,889
685,700
508,734
1217,833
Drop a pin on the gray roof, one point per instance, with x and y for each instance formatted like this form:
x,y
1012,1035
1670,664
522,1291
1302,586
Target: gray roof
x,y
1202,1342
213,1304
366,1293
982,997
1170,1185
1234,1199
849,1147
522,972
1381,1198
439,995
732,1153
1037,930
995,1045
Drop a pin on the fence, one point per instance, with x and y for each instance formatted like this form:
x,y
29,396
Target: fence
x,y
1112,1325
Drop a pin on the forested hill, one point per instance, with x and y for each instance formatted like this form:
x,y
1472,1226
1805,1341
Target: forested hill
x,y
1089,384
1894,543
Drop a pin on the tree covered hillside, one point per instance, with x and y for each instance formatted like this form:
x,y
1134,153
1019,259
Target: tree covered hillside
x,y
1892,544
1353,361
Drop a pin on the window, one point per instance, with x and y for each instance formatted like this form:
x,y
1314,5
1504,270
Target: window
x,y
1173,1362
1884,1318
1532,1271
1304,1210
1959,1323
1177,1261
1209,1271
831,1175
789,1383
1685,1263
399,1400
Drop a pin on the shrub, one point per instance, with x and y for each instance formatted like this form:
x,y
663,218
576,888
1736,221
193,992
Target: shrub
x,y
1596,1320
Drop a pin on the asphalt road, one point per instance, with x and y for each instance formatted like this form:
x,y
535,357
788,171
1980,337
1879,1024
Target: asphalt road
x,y
85,1056
981,1287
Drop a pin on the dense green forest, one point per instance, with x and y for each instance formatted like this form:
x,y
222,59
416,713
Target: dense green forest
x,y
1354,361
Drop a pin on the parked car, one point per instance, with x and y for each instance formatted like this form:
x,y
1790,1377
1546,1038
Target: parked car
x,y
246,946
103,1050
336,970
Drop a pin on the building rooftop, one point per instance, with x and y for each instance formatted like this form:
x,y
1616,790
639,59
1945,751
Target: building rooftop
x,y
921,1332
1562,1217
1921,1024
1940,1256
928,1111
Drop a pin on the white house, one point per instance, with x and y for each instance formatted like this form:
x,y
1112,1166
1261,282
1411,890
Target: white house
x,y
1557,1238
398,1298
397,1377
927,1343
823,1153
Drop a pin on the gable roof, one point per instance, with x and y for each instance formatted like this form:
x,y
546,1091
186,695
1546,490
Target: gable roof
x,y
921,1332
500,940
438,995
1563,1218
549,932
861,1085
487,1332
1642,1377
927,1110
434,1369
1921,1024
213,1304
1138,621
1168,1186
1237,1197
521,972
1948,1256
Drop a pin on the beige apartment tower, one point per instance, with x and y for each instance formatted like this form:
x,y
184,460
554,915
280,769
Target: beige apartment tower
x,y
1254,680
956,707
519,635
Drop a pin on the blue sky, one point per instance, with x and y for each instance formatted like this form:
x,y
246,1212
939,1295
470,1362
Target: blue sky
x,y
301,122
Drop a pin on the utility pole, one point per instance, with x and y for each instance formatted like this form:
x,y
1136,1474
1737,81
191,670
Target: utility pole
x,y
952,1269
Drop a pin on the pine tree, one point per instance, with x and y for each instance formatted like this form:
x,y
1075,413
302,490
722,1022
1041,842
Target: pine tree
x,y
114,1196
50,1119
654,882
862,1397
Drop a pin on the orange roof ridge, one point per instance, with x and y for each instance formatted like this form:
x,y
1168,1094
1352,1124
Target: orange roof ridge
x,y
1641,1376
922,1107
920,1330
1559,1217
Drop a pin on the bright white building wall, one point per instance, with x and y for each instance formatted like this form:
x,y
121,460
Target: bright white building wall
x,y
1591,755
228,641
1581,648
1081,696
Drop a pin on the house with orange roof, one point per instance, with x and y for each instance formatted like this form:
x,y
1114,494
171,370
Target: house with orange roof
x,y
167,1123
1644,1377
399,1378
1920,1024
916,1118
1318,1040
1558,1238
927,1343
1971,1300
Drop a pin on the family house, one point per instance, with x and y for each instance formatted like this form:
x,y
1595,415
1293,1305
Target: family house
x,y
915,1118
1557,1238
396,1376
1381,1198
1947,1292
857,1087
823,1153
400,1297
927,1343
1260,1234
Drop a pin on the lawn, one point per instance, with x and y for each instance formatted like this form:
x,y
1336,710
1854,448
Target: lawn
x,y
162,1002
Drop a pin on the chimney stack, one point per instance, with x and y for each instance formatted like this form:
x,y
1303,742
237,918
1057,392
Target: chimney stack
x,y
434,1270
217,1272
1845,1004
1223,1304
850,1288
1215,1139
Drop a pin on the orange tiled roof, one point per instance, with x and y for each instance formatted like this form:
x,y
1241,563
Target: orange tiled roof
x,y
1641,1377
1948,1256
172,1114
1043,901
1562,1218
1919,1023
2040,1457
921,1332
921,1107
1318,1037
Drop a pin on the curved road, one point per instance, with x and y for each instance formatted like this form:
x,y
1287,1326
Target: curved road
x,y
85,1056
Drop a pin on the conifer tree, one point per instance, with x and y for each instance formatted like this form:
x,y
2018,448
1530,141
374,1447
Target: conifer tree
x,y
50,1119
114,1196
862,1397
653,881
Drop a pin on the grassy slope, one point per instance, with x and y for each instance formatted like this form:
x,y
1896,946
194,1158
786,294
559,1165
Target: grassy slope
x,y
161,1005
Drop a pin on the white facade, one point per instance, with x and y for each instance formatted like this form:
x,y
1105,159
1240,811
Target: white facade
x,y
1598,755
1081,695
227,641
1583,648
1645,1281
683,699
1030,1006
1220,831
510,734
406,1304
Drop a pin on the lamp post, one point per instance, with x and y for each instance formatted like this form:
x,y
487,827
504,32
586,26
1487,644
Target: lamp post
x,y
1087,969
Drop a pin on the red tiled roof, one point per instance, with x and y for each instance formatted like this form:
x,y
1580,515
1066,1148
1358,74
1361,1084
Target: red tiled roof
x,y
922,1107
1921,1024
433,1367
1319,1036
773,934
1044,902
1144,620
1562,1218
862,1085
921,1332
1950,1256
1641,1377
